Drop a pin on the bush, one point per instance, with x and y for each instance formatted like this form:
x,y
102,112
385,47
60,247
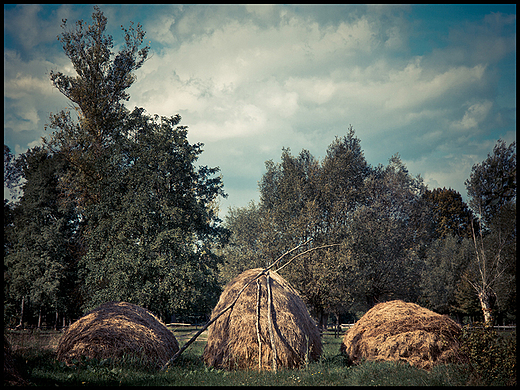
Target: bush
x,y
491,355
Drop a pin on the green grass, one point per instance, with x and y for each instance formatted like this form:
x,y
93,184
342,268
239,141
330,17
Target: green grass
x,y
36,352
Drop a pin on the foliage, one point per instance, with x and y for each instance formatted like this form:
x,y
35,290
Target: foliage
x,y
492,183
40,265
96,94
151,236
113,203
491,355
243,251
12,173
450,214
302,199
445,262
382,241
492,191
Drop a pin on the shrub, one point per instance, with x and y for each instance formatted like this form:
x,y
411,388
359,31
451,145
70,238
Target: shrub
x,y
491,355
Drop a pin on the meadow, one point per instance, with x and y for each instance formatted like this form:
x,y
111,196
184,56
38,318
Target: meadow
x,y
34,350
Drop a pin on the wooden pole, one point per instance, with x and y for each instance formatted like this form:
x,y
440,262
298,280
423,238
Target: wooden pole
x,y
270,319
258,295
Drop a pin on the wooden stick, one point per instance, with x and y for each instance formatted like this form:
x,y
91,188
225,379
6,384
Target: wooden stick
x,y
303,253
258,324
270,319
286,253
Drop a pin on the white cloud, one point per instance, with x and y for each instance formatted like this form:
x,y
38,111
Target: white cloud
x,y
475,114
248,80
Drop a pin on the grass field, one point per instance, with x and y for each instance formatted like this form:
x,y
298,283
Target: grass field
x,y
35,353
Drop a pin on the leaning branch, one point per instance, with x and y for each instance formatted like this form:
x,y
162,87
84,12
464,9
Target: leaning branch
x,y
303,253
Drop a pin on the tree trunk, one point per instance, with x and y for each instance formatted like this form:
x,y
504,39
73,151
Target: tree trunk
x,y
21,314
487,300
322,318
40,318
337,330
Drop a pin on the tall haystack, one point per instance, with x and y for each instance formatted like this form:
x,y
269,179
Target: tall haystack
x,y
242,338
401,331
117,329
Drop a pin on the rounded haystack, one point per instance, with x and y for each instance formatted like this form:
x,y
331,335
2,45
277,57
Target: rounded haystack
x,y
402,331
243,337
117,329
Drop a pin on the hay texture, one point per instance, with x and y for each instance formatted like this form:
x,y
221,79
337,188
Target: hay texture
x,y
117,329
405,332
12,375
237,337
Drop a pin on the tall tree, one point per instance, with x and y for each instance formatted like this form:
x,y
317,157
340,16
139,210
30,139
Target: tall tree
x,y
381,245
446,261
341,183
302,199
149,218
244,249
13,175
492,183
153,232
492,192
97,94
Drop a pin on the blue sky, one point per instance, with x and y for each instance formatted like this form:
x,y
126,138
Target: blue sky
x,y
434,83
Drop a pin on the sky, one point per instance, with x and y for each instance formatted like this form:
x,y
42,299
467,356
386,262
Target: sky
x,y
434,83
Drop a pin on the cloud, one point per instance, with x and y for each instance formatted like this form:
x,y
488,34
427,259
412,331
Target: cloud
x,y
249,80
32,25
474,115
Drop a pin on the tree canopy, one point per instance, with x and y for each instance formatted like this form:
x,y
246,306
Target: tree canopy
x,y
142,216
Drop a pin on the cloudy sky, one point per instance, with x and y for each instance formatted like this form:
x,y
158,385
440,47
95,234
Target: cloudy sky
x,y
436,84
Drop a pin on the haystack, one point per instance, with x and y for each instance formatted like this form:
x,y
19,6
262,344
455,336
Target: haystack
x,y
117,329
242,338
12,376
406,332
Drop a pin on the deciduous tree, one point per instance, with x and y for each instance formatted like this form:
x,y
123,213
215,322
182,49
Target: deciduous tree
x,y
492,192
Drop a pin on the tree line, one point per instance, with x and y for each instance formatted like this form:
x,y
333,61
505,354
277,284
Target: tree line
x,y
396,239
114,207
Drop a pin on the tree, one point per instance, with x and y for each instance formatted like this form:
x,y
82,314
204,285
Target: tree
x,y
40,261
244,249
380,245
492,184
450,214
12,173
97,94
149,221
303,201
341,184
492,191
151,237
446,261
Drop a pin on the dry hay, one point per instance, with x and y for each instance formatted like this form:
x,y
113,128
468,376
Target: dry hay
x,y
12,376
406,332
233,340
115,330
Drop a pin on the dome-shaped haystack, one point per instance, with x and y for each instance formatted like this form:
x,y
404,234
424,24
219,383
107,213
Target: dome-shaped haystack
x,y
242,338
402,331
117,329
